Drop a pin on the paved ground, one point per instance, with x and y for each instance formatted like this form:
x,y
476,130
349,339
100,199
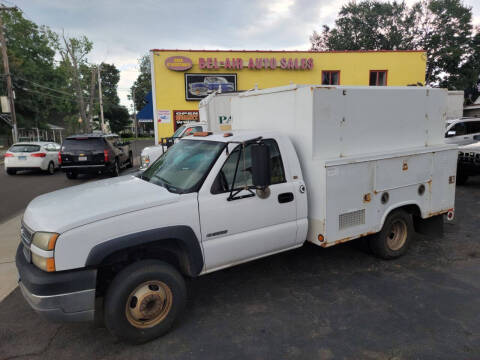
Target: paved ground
x,y
18,190
337,303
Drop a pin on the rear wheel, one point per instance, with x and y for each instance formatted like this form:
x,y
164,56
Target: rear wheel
x,y
130,160
11,171
393,240
51,168
144,300
71,175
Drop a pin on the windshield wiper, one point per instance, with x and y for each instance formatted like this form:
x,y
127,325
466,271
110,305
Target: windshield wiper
x,y
166,185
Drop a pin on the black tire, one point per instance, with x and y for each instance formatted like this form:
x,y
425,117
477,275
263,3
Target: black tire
x,y
71,175
51,168
116,169
462,178
394,238
119,303
11,171
130,160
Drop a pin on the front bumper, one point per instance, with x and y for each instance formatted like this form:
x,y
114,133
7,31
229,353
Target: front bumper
x,y
58,296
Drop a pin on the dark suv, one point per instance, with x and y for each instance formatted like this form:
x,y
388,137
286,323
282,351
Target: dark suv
x,y
94,153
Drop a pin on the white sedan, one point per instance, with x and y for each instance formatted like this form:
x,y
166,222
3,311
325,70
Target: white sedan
x,y
32,156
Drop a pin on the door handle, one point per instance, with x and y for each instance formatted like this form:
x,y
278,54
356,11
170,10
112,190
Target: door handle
x,y
285,197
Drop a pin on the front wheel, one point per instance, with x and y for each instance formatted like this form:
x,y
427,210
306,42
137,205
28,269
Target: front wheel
x,y
116,169
393,240
143,301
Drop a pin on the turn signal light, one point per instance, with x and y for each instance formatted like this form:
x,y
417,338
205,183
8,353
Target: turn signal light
x,y
39,155
320,237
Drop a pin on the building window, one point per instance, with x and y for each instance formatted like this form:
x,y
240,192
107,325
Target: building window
x,y
378,77
331,77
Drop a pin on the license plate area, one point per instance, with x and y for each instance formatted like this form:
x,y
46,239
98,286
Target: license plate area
x,y
82,158
22,158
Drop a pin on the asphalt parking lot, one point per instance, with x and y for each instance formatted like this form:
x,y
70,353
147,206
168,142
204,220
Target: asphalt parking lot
x,y
336,303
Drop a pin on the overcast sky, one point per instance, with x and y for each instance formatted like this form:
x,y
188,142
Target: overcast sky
x,y
124,30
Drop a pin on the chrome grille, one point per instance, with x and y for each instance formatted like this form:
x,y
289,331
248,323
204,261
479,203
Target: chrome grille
x,y
26,235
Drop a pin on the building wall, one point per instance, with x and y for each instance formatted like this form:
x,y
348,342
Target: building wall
x,y
404,68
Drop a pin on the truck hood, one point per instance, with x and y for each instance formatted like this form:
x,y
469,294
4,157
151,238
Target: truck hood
x,y
75,206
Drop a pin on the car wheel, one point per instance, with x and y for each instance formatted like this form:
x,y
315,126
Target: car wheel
x,y
11,171
144,300
393,240
51,168
116,169
71,175
130,160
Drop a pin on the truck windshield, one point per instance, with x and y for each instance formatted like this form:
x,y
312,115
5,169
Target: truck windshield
x,y
184,166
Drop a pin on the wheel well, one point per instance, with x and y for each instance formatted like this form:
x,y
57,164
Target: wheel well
x,y
412,209
169,251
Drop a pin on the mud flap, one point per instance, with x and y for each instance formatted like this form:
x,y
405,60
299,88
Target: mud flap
x,y
432,226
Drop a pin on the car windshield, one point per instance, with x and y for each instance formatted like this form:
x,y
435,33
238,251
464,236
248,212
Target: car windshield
x,y
179,131
184,165
24,148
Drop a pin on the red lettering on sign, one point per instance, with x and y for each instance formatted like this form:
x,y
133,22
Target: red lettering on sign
x,y
239,64
227,63
209,63
273,63
296,64
251,64
310,63
201,63
283,63
215,64
258,63
290,64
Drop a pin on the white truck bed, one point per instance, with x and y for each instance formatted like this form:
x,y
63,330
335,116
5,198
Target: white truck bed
x,y
356,144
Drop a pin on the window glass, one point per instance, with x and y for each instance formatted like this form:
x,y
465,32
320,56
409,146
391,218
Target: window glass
x,y
226,176
178,131
378,78
473,127
460,129
83,144
24,148
330,77
373,78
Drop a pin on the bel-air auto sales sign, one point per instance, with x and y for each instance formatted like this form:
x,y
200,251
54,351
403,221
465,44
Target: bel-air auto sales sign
x,y
182,63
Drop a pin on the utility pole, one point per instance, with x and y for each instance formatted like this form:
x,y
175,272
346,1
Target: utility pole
x,y
6,68
100,98
134,113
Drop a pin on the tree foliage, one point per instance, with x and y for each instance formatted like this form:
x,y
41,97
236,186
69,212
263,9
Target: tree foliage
x,y
443,28
143,85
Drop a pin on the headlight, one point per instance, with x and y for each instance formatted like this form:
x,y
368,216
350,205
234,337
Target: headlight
x,y
43,263
145,160
44,240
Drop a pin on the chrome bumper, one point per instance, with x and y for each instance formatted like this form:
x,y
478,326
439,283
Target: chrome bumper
x,y
75,306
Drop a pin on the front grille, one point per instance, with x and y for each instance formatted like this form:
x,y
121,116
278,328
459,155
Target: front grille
x,y
26,235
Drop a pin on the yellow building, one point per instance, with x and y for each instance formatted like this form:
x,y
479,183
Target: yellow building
x,y
181,78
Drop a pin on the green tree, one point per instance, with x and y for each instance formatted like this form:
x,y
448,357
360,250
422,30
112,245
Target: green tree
x,y
143,85
443,28
41,94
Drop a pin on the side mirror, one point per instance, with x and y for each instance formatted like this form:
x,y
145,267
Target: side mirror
x,y
261,170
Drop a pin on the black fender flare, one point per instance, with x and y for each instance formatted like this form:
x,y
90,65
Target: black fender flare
x,y
182,235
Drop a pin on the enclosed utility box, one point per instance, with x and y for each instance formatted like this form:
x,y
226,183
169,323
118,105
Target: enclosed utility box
x,y
364,151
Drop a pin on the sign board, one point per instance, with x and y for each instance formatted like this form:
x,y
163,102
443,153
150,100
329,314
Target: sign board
x,y
178,63
5,104
198,86
256,63
180,117
164,117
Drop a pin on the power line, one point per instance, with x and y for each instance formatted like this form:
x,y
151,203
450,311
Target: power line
x,y
45,87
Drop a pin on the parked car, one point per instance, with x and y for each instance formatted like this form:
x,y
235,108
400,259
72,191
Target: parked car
x,y
461,131
213,83
468,161
152,153
94,153
39,155
217,200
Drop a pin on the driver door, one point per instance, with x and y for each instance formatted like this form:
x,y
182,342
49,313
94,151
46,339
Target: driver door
x,y
247,227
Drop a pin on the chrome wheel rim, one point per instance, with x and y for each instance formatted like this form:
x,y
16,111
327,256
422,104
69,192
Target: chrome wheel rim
x,y
397,236
148,304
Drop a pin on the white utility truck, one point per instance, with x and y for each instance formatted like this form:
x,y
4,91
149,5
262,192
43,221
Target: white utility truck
x,y
323,164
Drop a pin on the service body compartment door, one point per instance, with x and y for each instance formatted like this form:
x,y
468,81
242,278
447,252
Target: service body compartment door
x,y
240,229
